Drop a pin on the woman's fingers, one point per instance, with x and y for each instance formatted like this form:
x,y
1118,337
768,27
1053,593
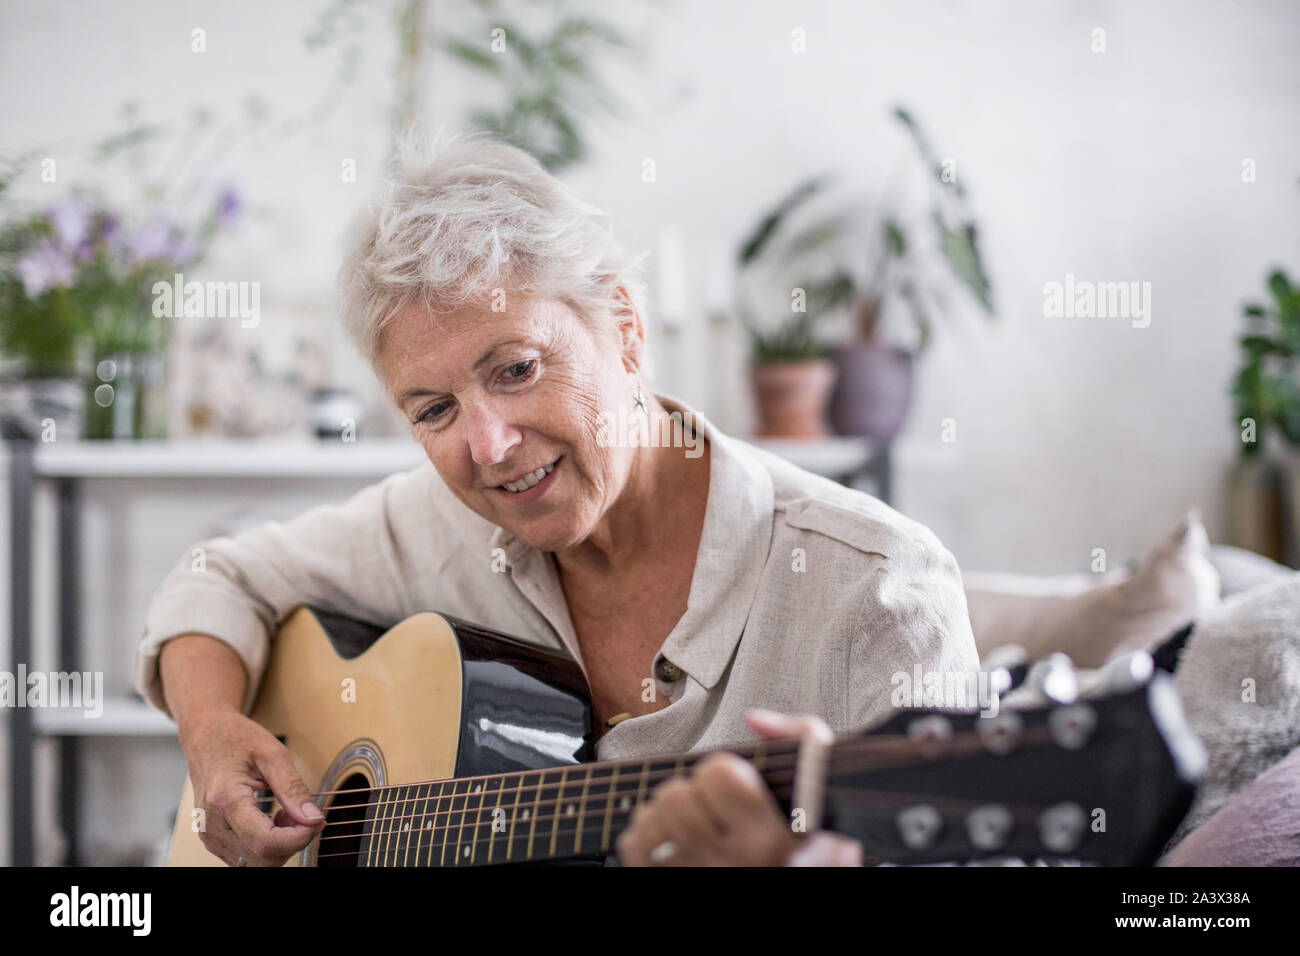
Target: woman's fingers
x,y
266,843
824,848
282,778
722,815
770,725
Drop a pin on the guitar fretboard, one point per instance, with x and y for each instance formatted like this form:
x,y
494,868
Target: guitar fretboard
x,y
535,815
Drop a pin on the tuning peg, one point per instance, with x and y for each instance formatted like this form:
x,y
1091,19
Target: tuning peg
x,y
1054,678
989,826
1126,672
1061,827
919,826
1000,734
1072,725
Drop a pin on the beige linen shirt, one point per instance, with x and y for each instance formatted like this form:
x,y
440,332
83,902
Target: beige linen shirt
x,y
807,596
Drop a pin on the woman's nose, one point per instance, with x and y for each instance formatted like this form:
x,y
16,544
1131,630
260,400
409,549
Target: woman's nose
x,y
491,436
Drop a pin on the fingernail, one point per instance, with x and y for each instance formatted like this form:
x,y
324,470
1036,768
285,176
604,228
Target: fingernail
x,y
758,713
311,811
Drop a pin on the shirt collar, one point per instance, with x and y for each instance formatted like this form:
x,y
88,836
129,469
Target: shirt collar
x,y
734,547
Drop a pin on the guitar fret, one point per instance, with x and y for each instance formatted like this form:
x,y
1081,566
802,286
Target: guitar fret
x,y
481,789
645,774
404,826
419,812
582,812
555,812
609,807
532,826
386,828
371,826
514,814
432,822
460,820
492,826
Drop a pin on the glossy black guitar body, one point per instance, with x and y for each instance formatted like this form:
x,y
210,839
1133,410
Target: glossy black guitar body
x,y
518,700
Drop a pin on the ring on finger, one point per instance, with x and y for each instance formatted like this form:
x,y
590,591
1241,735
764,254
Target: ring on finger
x,y
663,853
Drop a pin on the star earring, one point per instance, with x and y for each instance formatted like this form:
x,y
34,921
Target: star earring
x,y
639,399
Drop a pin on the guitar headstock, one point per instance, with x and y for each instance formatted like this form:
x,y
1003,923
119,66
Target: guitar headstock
x,y
1102,779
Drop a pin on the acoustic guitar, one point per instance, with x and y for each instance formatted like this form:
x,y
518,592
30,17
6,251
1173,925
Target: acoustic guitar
x,y
441,743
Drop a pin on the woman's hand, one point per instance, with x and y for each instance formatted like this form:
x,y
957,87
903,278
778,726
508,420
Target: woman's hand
x,y
724,815
231,757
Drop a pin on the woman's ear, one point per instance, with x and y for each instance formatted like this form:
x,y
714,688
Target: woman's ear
x,y
631,330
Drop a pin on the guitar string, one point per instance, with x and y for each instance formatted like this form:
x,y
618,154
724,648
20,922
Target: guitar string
x,y
633,780
864,744
537,802
1019,812
851,748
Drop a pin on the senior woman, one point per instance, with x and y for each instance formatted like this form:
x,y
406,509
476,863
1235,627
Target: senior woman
x,y
704,586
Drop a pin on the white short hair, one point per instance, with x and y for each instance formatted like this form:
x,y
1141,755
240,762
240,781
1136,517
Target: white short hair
x,y
467,218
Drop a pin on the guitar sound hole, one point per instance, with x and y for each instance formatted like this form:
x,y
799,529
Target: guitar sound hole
x,y
345,820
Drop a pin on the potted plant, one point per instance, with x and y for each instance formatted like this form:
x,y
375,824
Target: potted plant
x,y
1264,495
75,309
866,261
790,369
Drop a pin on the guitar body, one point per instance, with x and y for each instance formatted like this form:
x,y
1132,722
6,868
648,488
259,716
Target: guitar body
x,y
430,699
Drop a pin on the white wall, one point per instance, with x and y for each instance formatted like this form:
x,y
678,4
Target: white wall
x,y
1119,165
1124,165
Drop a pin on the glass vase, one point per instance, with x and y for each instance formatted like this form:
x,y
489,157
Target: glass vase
x,y
126,398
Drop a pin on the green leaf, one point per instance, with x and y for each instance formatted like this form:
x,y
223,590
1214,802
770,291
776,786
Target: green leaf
x,y
962,253
753,246
895,239
1280,287
1258,345
475,56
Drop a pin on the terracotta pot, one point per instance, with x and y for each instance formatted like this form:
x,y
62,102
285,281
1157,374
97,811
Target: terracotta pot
x,y
793,397
873,390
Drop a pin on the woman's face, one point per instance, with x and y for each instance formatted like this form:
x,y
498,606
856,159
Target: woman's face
x,y
495,396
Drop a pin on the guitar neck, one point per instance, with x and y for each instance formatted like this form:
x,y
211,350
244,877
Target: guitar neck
x,y
1103,780
534,815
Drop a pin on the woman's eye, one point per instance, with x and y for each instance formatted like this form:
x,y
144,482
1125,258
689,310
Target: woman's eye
x,y
520,370
432,412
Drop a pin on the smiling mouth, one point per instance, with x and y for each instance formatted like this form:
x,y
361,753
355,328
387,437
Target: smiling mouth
x,y
530,479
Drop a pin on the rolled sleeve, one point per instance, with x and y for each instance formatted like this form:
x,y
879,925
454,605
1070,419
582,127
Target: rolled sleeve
x,y
357,558
914,613
195,612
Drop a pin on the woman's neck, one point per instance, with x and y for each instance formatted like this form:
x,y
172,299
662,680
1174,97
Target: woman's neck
x,y
665,492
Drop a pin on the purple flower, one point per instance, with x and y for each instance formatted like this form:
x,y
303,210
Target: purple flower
x,y
151,243
110,233
228,206
184,250
45,267
71,220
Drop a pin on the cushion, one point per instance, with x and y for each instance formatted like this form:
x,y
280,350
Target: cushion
x,y
1239,679
1259,827
1241,570
1094,618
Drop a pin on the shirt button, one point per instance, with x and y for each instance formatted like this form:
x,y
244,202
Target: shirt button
x,y
667,671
